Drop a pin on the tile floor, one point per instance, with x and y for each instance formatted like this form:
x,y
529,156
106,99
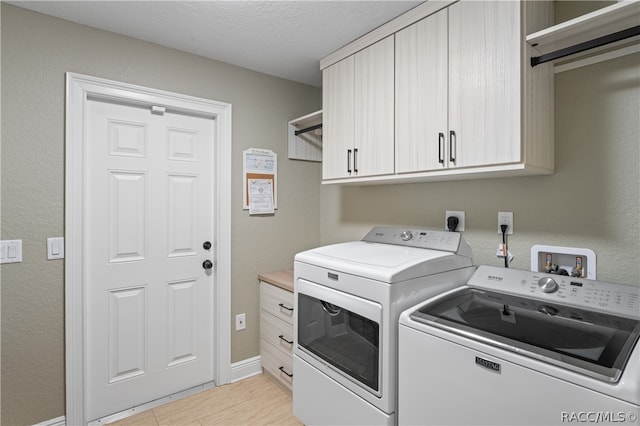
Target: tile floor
x,y
253,401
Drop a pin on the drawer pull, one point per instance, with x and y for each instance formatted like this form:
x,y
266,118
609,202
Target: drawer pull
x,y
288,341
285,307
282,369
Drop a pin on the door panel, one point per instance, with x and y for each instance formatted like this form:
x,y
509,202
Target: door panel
x,y
127,216
128,337
181,211
181,306
149,302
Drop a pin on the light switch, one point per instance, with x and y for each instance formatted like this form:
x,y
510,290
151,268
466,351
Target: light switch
x,y
10,251
55,248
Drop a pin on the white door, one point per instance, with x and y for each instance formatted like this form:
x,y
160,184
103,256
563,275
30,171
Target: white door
x,y
148,297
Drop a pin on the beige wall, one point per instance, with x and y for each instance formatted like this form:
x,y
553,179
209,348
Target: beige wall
x,y
36,52
591,201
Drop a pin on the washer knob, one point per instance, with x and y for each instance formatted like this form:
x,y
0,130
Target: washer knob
x,y
547,284
406,235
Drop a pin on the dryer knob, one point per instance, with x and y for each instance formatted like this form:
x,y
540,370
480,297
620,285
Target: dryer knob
x,y
547,284
406,235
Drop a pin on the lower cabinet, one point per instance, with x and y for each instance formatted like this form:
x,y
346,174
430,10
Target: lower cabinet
x,y
276,334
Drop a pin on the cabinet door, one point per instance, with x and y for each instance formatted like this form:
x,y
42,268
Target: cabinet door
x,y
374,106
338,116
484,82
421,95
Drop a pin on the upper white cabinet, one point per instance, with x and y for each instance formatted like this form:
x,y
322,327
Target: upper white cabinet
x,y
374,91
358,94
338,112
465,101
421,114
485,83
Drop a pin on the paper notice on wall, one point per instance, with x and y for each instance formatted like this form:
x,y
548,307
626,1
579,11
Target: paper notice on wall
x,y
260,196
260,165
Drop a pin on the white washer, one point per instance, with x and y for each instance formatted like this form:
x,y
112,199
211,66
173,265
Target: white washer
x,y
517,347
348,298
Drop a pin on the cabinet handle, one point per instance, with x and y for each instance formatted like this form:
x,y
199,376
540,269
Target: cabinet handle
x,y
349,161
452,144
287,341
281,368
355,161
441,148
285,307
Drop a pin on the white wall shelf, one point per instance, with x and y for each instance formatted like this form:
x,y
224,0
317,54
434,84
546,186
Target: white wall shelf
x,y
306,145
600,23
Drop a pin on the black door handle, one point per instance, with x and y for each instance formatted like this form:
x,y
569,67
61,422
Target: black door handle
x,y
207,264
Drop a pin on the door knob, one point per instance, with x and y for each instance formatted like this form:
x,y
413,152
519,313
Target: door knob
x,y
207,264
206,245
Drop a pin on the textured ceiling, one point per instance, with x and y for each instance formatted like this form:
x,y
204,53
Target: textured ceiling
x,y
282,38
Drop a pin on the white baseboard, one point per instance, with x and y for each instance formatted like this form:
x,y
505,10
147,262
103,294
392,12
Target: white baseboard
x,y
58,421
246,368
239,370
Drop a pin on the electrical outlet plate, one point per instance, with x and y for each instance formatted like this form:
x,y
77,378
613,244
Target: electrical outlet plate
x,y
505,218
241,322
55,248
10,251
459,214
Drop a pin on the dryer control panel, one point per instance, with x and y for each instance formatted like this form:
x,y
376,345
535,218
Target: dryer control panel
x,y
420,238
612,298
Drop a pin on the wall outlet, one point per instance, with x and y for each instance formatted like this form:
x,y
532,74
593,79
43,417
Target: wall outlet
x,y
505,218
241,322
459,215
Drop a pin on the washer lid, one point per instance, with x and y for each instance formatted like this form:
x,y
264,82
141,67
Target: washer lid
x,y
587,342
383,262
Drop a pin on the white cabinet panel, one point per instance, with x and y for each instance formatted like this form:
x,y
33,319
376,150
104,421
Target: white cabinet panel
x,y
421,95
277,302
467,103
276,334
337,126
374,105
358,130
485,42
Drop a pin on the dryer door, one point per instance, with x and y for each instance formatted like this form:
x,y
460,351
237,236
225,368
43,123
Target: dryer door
x,y
341,331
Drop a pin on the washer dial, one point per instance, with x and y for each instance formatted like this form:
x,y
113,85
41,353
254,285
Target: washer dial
x,y
547,284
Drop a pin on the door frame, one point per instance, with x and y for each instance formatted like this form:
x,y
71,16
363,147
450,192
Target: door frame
x,y
78,88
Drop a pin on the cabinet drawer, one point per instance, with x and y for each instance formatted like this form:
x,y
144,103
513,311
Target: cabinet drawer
x,y
277,364
276,301
277,332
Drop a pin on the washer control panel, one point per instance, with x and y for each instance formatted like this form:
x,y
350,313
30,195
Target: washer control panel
x,y
420,238
620,299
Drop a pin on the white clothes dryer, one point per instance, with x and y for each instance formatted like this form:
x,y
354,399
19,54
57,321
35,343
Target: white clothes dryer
x,y
348,298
